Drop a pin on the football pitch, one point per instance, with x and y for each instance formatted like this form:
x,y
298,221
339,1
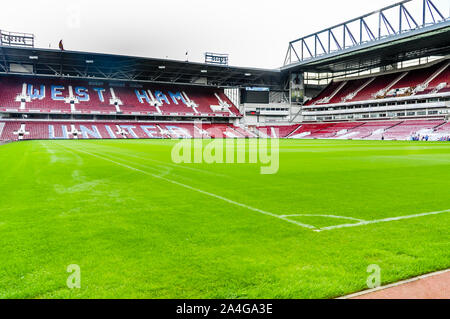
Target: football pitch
x,y
139,225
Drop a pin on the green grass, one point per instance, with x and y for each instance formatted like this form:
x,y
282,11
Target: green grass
x,y
137,236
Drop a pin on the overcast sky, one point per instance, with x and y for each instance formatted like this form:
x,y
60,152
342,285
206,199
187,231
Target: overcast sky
x,y
254,32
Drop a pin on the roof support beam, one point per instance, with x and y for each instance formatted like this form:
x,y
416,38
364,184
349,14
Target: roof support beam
x,y
391,21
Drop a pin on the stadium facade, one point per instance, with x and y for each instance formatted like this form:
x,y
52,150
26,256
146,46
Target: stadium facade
x,y
384,75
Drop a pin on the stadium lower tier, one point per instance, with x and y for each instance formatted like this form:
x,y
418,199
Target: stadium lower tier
x,y
17,130
433,130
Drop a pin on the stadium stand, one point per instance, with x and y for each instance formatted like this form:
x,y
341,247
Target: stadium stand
x,y
305,131
58,108
276,131
441,133
96,97
439,83
398,89
370,130
406,129
28,130
334,131
420,81
374,130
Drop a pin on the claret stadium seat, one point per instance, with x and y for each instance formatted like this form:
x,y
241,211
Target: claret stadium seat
x,y
51,96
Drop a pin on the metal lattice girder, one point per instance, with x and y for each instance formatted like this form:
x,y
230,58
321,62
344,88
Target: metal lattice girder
x,y
393,21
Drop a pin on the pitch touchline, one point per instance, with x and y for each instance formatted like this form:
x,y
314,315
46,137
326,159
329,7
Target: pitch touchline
x,y
197,190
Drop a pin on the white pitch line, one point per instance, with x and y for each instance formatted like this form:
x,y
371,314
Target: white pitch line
x,y
167,168
164,163
382,220
325,216
282,217
197,190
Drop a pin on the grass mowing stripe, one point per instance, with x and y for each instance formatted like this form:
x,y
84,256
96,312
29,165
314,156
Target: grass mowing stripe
x,y
161,164
197,190
135,236
360,223
74,151
118,149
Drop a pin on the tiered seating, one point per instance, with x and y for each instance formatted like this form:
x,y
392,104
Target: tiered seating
x,y
443,130
97,97
37,130
332,87
444,77
350,87
406,129
305,130
389,130
380,83
244,132
439,133
233,107
109,130
8,94
401,85
178,130
375,130
412,80
370,130
205,99
278,131
8,131
132,105
221,131
334,131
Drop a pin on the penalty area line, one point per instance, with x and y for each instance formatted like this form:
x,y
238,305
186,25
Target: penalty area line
x,y
385,220
196,189
325,216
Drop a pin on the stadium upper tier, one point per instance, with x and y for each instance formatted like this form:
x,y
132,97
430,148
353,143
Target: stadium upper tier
x,y
36,95
434,79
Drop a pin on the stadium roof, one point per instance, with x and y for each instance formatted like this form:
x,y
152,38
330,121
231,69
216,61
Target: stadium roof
x,y
403,31
433,43
373,40
50,62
